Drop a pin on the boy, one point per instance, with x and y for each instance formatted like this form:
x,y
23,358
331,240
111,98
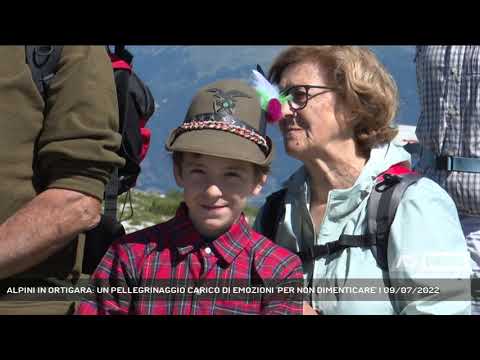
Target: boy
x,y
220,157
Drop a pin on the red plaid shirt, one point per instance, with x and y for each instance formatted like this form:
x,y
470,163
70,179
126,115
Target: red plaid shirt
x,y
175,253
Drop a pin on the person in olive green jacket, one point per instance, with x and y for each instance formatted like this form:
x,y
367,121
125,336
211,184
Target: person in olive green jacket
x,y
55,159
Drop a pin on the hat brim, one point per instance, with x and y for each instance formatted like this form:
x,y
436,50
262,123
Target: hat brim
x,y
221,144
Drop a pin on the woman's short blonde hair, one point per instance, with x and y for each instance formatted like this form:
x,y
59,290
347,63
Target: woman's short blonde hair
x,y
365,86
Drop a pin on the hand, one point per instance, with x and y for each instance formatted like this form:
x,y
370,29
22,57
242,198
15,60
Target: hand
x,y
308,310
28,237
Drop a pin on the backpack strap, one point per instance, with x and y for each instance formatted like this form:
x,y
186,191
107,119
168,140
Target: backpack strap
x,y
273,211
111,195
381,209
122,53
345,241
43,61
121,60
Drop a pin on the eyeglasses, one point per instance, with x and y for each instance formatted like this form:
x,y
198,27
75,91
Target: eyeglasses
x,y
298,95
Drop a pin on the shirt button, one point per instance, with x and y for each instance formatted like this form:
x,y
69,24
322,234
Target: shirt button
x,y
208,251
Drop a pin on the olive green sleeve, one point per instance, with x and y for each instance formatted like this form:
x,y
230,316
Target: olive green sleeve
x,y
77,146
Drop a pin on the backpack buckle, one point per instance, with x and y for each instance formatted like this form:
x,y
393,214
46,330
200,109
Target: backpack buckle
x,y
307,255
41,54
329,248
388,181
444,163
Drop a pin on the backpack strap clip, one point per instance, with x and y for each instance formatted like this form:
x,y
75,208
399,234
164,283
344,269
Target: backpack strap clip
x,y
41,54
389,180
43,61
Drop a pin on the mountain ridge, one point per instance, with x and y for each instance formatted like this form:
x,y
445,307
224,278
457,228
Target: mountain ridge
x,y
175,73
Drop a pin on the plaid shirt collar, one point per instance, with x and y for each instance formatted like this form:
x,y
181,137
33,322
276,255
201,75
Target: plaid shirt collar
x,y
226,247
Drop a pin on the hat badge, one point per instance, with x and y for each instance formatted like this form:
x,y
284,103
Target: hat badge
x,y
225,101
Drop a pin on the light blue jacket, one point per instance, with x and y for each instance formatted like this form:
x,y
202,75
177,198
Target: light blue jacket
x,y
426,242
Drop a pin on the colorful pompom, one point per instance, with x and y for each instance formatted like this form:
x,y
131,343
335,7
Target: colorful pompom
x,y
270,98
274,111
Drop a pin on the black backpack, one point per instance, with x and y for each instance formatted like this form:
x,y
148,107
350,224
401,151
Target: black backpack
x,y
136,106
381,208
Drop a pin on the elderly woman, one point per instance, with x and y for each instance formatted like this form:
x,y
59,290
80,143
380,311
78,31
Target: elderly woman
x,y
338,123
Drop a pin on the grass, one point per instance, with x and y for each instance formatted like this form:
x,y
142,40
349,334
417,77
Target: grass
x,y
154,207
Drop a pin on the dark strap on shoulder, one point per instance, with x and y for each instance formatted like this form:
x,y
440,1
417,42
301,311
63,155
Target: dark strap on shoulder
x,y
43,61
272,213
381,209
